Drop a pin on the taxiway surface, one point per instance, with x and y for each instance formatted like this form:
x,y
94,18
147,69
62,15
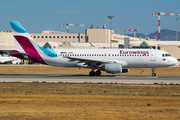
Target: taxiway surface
x,y
88,79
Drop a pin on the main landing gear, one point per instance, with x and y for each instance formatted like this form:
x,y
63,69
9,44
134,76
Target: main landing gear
x,y
153,72
97,73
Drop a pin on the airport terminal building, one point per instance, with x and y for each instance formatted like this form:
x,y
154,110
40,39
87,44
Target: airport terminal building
x,y
95,38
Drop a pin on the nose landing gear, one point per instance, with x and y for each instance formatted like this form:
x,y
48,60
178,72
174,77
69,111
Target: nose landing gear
x,y
153,72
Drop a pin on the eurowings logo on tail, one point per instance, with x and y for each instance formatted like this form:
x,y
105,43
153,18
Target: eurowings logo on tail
x,y
26,45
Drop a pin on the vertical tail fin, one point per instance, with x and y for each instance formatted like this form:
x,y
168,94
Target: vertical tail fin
x,y
22,39
24,43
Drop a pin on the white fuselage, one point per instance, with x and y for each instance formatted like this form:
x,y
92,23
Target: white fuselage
x,y
141,58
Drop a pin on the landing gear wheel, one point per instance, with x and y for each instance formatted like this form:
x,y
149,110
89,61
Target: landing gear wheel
x,y
92,73
154,74
98,73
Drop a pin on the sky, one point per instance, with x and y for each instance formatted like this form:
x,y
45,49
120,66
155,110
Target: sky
x,y
39,15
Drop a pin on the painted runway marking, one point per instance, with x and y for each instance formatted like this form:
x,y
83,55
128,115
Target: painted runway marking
x,y
152,77
121,76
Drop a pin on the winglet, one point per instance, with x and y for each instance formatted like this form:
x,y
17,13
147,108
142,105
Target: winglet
x,y
16,26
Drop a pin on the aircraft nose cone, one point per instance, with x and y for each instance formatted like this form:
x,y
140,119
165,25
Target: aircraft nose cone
x,y
175,61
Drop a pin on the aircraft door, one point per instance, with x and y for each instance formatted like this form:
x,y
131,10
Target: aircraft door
x,y
153,55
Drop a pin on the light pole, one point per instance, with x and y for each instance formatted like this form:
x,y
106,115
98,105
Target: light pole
x,y
177,29
110,17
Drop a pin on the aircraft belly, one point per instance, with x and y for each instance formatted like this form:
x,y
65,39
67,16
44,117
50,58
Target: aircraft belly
x,y
136,63
63,62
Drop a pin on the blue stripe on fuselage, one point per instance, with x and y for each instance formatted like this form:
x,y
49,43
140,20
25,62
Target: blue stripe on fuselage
x,y
49,52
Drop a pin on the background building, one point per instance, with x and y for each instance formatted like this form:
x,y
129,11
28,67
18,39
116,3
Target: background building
x,y
99,38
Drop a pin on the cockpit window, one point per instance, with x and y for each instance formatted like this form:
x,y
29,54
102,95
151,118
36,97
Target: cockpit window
x,y
166,55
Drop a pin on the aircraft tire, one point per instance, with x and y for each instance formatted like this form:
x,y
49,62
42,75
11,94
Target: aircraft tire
x,y
98,73
92,73
154,74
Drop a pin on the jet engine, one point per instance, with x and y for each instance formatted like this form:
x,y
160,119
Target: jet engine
x,y
113,68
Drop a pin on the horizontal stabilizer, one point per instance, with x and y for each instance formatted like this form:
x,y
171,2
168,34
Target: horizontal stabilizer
x,y
16,53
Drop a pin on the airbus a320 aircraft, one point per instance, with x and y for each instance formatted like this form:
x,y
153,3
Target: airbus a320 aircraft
x,y
108,60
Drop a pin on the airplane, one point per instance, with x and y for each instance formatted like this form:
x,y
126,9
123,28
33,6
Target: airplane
x,y
9,60
109,60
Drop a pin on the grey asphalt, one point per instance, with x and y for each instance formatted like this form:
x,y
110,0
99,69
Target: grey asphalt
x,y
86,79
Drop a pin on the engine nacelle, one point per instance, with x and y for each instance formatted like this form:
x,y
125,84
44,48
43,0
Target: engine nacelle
x,y
113,68
125,70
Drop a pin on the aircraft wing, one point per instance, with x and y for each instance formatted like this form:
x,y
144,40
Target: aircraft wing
x,y
89,62
95,62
